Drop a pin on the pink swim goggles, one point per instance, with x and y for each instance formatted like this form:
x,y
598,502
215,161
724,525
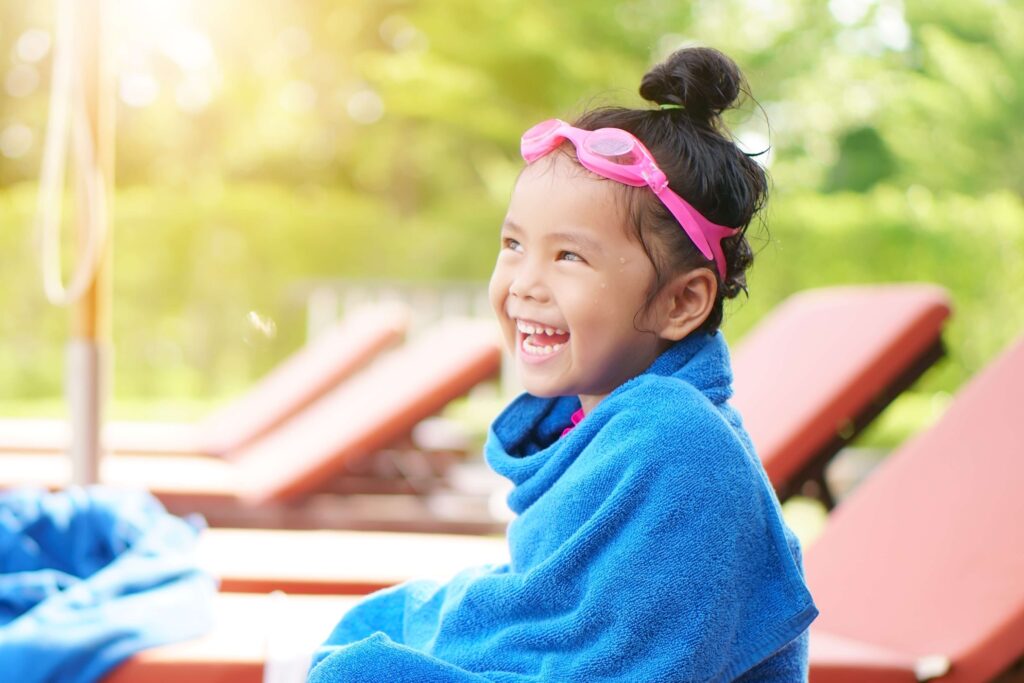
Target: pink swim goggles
x,y
617,155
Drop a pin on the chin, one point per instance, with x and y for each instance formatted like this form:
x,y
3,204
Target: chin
x,y
542,390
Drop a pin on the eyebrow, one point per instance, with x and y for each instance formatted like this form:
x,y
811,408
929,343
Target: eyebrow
x,y
576,238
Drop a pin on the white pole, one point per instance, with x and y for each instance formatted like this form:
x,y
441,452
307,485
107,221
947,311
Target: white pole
x,y
85,388
88,354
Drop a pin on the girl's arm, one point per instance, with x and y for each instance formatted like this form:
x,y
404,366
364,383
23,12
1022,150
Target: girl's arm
x,y
379,658
380,623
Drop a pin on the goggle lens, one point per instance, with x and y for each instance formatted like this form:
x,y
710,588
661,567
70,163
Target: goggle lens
x,y
617,149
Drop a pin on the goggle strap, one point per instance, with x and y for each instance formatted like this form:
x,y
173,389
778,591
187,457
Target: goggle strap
x,y
704,234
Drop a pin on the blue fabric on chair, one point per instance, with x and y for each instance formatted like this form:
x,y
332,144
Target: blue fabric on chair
x,y
649,546
88,577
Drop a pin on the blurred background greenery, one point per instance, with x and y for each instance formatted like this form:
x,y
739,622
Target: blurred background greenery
x,y
260,150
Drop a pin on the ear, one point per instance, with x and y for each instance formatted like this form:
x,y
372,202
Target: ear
x,y
684,303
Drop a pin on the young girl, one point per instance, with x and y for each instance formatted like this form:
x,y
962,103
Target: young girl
x,y
649,545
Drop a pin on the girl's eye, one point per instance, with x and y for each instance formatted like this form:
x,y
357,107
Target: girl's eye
x,y
509,243
570,256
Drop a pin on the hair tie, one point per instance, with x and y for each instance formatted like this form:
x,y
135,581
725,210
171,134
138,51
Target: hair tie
x,y
669,105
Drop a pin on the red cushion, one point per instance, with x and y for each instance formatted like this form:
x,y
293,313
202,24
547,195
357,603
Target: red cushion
x,y
927,555
821,358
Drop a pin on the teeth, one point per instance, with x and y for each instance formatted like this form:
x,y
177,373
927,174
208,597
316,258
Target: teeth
x,y
527,328
535,350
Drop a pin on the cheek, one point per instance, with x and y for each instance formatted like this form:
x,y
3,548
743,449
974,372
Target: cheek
x,y
611,311
635,288
589,312
497,289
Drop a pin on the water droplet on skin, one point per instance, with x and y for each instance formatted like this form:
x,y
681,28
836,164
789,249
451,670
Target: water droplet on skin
x,y
622,259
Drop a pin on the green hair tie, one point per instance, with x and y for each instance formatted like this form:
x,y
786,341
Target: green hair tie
x,y
669,105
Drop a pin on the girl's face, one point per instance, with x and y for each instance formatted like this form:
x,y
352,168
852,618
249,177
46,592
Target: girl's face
x,y
569,283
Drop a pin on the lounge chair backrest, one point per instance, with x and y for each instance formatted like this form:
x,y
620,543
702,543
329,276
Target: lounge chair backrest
x,y
926,556
372,409
824,358
325,361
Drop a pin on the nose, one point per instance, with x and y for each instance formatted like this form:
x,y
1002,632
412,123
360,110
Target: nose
x,y
527,282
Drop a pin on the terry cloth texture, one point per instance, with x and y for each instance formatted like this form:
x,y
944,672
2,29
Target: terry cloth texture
x,y
88,577
648,546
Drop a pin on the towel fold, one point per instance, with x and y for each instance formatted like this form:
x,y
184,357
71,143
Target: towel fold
x,y
648,546
90,576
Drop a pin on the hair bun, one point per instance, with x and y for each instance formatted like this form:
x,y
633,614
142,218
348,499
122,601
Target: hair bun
x,y
701,79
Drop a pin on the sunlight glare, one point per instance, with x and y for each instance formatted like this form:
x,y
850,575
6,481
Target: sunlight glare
x,y
849,12
150,33
32,45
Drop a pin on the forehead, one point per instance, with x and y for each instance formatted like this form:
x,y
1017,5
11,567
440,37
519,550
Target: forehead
x,y
555,193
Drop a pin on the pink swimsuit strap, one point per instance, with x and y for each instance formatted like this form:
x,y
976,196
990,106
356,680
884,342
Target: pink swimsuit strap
x,y
576,417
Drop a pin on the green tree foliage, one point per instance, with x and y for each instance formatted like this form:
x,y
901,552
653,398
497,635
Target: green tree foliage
x,y
320,139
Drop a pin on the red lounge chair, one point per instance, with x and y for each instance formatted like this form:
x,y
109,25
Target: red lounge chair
x,y
823,364
311,371
839,353
340,562
369,411
921,568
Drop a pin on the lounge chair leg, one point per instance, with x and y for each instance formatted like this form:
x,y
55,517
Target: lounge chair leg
x,y
824,492
813,485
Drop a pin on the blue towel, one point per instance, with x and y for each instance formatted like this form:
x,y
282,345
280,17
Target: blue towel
x,y
88,577
648,546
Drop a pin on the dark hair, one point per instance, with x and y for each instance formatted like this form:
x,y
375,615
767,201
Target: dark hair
x,y
704,166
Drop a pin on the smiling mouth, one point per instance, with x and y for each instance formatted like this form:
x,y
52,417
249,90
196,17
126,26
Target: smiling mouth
x,y
540,341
